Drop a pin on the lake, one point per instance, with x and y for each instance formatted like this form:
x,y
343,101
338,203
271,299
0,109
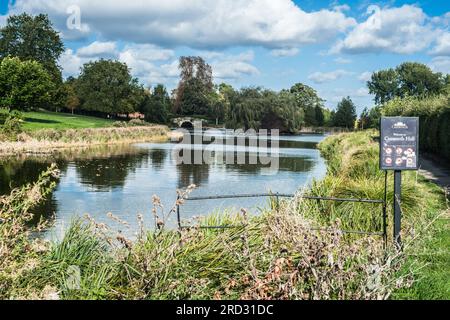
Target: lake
x,y
122,179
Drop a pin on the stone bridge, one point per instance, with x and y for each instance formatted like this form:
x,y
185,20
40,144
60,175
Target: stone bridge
x,y
188,122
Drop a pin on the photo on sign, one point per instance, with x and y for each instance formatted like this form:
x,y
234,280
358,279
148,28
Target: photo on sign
x,y
399,143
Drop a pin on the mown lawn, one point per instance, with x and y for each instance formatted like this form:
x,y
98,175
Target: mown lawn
x,y
52,120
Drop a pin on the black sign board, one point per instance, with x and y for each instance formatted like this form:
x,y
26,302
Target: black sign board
x,y
399,144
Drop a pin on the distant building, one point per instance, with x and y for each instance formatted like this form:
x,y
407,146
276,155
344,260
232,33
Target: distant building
x,y
136,115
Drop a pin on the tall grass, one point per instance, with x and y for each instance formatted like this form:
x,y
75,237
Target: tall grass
x,y
292,251
50,139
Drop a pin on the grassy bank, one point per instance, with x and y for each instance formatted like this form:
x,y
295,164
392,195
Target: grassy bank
x,y
61,121
49,140
294,251
426,230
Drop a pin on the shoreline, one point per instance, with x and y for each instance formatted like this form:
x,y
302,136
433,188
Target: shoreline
x,y
48,141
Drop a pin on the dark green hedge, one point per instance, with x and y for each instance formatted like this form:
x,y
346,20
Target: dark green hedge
x,y
435,134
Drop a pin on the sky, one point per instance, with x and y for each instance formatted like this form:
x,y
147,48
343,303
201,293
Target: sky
x,y
333,46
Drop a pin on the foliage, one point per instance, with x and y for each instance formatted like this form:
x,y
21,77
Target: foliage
x,y
72,100
195,86
345,115
33,38
258,108
24,85
308,100
370,119
156,105
434,114
10,124
107,87
354,172
408,79
290,251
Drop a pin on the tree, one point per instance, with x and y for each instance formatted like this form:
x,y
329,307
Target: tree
x,y
156,105
307,99
384,85
408,79
345,115
72,100
32,38
194,88
417,79
107,87
24,85
320,116
194,100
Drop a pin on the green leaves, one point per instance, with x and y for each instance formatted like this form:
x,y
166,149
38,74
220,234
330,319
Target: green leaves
x,y
345,115
107,87
408,79
24,85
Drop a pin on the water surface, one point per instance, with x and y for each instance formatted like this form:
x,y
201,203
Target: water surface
x,y
122,180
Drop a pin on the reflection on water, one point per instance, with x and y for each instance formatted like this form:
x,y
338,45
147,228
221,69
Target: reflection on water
x,y
122,179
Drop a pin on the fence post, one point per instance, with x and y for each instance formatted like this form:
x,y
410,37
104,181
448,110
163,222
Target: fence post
x,y
385,235
178,213
397,207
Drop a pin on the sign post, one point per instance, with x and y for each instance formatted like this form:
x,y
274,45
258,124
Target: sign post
x,y
399,151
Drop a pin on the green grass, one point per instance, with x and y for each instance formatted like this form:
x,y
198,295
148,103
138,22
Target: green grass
x,y
276,255
60,121
433,279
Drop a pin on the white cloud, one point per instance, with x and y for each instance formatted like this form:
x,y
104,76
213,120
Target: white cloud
x,y
322,77
341,60
233,67
343,7
361,92
442,47
197,23
365,76
285,52
71,63
98,48
403,30
440,64
153,65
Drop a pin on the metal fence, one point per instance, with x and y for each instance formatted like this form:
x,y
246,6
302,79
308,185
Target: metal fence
x,y
277,196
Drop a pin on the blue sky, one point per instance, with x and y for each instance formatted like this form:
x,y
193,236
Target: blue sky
x,y
333,46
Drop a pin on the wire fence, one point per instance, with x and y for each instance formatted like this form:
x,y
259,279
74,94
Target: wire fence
x,y
277,196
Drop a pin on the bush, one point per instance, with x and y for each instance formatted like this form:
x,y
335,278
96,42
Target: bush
x,y
11,123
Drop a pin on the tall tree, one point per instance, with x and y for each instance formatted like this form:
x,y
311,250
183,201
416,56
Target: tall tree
x,y
24,85
72,100
195,86
408,79
345,115
32,38
384,85
107,87
156,105
320,116
417,79
309,101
